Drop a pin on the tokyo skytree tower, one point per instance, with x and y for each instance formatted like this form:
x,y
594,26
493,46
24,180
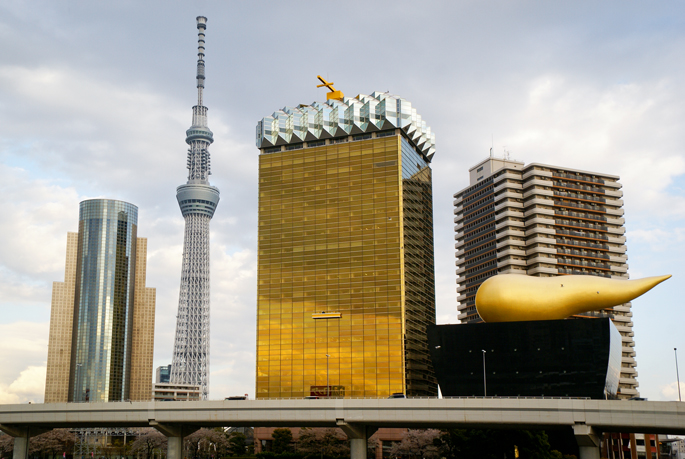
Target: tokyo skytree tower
x,y
198,201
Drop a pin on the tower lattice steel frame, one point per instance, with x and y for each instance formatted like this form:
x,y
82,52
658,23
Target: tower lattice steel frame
x,y
198,201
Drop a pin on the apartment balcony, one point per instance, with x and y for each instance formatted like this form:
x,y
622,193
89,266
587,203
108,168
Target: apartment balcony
x,y
616,221
458,244
613,185
512,269
616,240
458,227
461,288
508,213
541,239
581,243
511,205
540,220
539,200
511,232
541,258
578,186
507,185
582,253
578,224
459,235
614,211
537,181
539,211
511,251
457,201
536,173
538,230
507,175
622,249
579,177
622,328
583,234
628,360
614,202
511,262
460,271
619,269
616,230
546,250
618,259
542,270
458,209
584,215
507,195
537,192
613,193
502,223
459,253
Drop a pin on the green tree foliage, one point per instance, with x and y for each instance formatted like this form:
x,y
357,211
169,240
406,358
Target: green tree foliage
x,y
493,444
316,443
282,439
236,444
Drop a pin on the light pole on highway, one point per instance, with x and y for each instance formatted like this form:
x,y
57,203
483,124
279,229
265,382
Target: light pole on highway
x,y
485,380
328,386
677,373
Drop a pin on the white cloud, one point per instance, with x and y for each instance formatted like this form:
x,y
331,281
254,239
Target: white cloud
x,y
670,391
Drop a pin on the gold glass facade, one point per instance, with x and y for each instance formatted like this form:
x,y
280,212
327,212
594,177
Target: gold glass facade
x,y
345,227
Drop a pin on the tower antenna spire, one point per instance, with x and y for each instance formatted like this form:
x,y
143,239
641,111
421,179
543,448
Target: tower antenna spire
x,y
201,27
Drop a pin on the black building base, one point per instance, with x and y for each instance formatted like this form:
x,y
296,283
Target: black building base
x,y
552,358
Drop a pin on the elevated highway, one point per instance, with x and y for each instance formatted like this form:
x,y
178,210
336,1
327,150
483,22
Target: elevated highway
x,y
359,418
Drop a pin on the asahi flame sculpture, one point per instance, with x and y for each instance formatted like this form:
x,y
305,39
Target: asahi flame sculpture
x,y
514,297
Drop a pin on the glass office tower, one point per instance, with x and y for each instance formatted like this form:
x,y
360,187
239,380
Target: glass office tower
x,y
105,277
345,267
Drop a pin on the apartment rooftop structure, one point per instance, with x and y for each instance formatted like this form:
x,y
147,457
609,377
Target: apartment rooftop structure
x,y
542,220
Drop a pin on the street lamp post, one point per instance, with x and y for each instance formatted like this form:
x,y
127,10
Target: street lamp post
x,y
485,381
677,373
328,386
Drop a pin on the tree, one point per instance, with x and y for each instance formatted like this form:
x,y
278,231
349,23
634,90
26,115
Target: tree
x,y
329,443
147,442
205,443
282,439
6,445
236,444
493,444
417,443
54,442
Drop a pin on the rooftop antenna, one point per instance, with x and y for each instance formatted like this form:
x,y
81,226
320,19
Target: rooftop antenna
x,y
333,94
492,154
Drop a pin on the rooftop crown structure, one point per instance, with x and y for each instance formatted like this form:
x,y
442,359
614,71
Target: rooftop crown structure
x,y
198,201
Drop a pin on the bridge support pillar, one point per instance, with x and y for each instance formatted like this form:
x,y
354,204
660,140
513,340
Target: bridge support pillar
x,y
588,441
358,435
175,435
22,435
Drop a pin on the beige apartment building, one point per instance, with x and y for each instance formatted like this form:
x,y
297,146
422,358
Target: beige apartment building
x,y
542,220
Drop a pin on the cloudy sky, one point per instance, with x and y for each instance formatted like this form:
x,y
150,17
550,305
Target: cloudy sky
x,y
95,98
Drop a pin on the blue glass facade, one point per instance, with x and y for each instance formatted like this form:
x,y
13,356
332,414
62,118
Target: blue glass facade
x,y
103,314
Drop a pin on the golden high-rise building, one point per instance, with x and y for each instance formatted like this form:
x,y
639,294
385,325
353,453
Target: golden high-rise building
x,y
102,321
345,268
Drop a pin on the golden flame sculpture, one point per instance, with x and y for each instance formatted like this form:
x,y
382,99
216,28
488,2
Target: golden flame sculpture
x,y
515,297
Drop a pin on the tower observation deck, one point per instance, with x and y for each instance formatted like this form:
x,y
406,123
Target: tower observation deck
x,y
197,200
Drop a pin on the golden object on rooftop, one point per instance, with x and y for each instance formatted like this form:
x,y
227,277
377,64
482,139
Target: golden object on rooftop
x,y
515,297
